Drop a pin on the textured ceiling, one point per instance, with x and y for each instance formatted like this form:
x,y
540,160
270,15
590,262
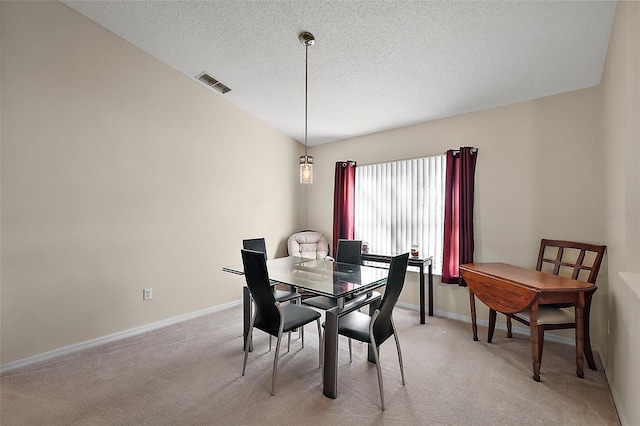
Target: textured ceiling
x,y
376,65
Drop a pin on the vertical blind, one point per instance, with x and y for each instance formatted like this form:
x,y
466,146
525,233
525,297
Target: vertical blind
x,y
401,203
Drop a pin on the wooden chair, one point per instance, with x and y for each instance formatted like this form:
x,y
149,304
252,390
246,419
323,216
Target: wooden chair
x,y
579,261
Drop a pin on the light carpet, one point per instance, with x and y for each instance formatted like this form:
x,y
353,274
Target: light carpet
x,y
190,374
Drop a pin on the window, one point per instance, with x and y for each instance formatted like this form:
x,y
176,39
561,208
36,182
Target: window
x,y
402,203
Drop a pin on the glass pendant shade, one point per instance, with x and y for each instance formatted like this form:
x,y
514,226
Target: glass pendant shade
x,y
306,169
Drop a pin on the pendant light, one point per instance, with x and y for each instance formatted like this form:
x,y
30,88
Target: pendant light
x,y
306,161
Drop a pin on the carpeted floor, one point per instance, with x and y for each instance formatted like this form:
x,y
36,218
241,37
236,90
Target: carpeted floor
x,y
189,374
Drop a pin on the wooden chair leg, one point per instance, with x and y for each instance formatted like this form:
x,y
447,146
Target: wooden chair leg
x,y
492,324
540,342
588,354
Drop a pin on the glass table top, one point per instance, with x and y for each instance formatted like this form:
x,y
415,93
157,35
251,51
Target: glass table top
x,y
323,277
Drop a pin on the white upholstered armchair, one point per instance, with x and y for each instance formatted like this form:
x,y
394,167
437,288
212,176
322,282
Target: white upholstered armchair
x,y
308,244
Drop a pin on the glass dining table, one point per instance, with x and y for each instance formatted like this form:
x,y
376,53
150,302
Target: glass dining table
x,y
323,277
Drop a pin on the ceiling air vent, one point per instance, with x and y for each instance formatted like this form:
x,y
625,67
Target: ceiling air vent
x,y
212,82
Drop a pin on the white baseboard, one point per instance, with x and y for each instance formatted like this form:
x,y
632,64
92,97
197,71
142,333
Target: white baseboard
x,y
175,320
113,337
616,400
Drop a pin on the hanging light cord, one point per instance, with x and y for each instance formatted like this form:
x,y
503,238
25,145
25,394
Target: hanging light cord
x,y
306,91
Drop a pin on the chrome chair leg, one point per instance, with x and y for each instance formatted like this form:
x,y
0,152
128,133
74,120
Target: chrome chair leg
x,y
399,356
300,330
322,358
275,364
395,336
377,360
247,345
350,355
319,344
288,343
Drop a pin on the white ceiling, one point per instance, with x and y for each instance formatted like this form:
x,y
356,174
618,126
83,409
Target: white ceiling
x,y
376,64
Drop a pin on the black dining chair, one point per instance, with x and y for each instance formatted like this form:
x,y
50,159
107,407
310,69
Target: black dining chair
x,y
259,244
349,251
291,295
375,329
270,316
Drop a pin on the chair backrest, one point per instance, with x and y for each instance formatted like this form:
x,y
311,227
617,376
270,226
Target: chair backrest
x,y
255,244
308,244
383,327
257,278
349,251
579,261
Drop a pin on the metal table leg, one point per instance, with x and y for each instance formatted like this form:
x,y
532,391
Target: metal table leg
x,y
431,288
330,383
422,308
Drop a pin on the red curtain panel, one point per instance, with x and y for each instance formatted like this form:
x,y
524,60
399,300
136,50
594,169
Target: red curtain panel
x,y
344,197
458,213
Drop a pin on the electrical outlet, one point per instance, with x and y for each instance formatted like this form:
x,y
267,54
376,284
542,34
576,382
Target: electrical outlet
x,y
146,294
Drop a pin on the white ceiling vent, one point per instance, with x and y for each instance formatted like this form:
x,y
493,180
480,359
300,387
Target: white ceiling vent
x,y
212,82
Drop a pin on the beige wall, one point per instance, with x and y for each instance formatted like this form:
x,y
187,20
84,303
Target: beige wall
x,y
621,159
119,174
538,176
